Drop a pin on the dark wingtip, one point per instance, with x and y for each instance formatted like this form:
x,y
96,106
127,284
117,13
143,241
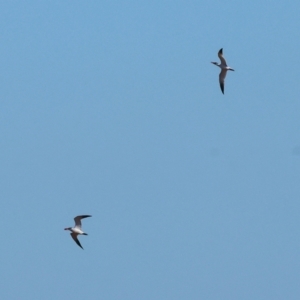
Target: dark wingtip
x,y
79,245
222,88
85,216
221,51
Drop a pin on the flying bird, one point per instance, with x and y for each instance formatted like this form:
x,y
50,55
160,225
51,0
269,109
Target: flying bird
x,y
224,69
77,229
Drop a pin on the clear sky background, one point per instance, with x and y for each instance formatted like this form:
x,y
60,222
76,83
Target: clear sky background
x,y
113,108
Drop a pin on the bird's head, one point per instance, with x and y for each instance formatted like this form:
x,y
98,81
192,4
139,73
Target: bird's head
x,y
215,63
68,228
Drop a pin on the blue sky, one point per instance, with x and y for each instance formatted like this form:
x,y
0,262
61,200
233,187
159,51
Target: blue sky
x,y
112,108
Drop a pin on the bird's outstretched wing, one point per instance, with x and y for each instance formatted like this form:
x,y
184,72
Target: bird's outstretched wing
x,y
78,220
74,236
222,79
222,59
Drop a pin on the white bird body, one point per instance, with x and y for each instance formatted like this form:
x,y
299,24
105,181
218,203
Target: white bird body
x,y
224,69
76,230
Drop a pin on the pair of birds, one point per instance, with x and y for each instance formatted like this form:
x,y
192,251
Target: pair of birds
x,y
76,230
224,69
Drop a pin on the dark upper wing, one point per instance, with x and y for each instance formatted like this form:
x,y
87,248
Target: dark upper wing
x,y
78,220
74,236
222,59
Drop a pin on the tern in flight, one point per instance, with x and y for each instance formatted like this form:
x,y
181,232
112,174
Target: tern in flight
x,y
77,229
224,69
